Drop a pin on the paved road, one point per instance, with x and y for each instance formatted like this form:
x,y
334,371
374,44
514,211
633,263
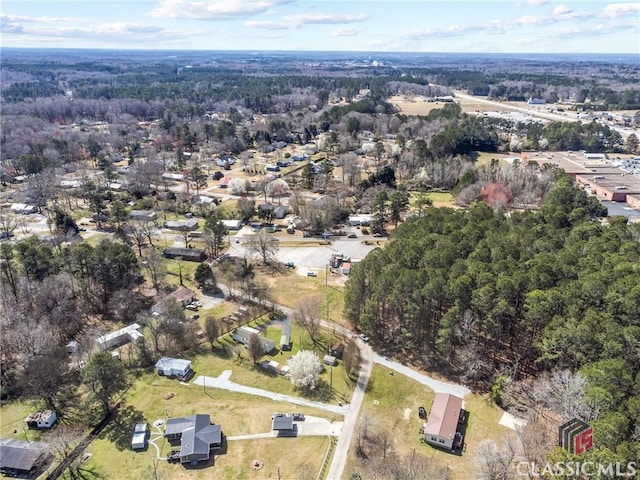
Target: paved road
x,y
224,383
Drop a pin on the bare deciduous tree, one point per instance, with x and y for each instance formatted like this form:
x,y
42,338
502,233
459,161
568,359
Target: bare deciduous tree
x,y
254,347
211,329
495,460
263,245
307,315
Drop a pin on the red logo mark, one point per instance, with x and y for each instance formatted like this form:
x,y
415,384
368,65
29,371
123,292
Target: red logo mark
x,y
583,441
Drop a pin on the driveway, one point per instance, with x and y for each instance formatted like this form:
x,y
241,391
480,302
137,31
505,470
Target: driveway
x,y
344,440
435,385
224,383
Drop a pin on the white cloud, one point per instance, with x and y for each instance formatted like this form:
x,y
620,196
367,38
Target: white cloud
x,y
562,10
346,32
296,21
533,20
617,10
213,9
325,18
267,25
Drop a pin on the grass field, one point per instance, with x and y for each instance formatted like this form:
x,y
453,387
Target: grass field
x,y
409,106
439,199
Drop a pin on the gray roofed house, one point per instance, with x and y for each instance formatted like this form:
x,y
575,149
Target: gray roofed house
x,y
19,457
188,224
197,435
149,215
282,422
191,254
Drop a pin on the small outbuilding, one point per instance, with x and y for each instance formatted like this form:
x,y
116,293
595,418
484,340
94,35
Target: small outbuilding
x,y
285,342
336,350
41,420
139,438
330,360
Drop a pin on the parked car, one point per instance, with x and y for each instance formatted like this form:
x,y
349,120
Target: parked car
x,y
352,235
298,417
312,274
422,413
174,456
377,235
289,264
191,306
363,337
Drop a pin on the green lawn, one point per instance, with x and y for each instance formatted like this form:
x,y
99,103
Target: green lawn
x,y
439,199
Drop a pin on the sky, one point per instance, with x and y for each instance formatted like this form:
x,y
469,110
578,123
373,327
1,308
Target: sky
x,y
499,26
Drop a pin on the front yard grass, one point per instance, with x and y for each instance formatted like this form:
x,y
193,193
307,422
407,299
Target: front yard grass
x,y
237,413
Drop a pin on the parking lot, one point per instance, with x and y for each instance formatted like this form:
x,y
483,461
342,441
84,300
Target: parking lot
x,y
313,258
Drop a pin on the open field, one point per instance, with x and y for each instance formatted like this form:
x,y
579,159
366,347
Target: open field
x,y
409,106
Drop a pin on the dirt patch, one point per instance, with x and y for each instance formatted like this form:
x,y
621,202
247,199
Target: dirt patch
x,y
168,396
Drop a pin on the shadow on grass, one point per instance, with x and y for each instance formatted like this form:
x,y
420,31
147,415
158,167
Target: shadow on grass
x,y
120,430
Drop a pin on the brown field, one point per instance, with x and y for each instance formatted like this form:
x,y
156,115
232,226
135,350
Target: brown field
x,y
408,106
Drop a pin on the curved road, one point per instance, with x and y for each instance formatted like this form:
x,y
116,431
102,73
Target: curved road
x,y
369,357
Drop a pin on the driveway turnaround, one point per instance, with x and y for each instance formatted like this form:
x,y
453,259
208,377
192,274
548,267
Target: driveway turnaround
x,y
224,383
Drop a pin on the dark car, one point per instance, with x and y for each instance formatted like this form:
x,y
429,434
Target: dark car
x,y
174,456
352,235
298,417
422,413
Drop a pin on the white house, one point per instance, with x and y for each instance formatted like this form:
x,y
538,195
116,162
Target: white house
x,y
173,367
362,219
127,334
243,333
23,208
232,224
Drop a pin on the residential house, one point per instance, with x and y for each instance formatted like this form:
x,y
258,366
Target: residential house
x,y
115,339
198,436
360,220
442,423
232,224
183,296
282,423
143,215
173,367
243,333
188,225
23,208
190,254
281,211
24,459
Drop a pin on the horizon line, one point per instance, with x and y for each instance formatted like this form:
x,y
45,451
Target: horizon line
x,y
381,52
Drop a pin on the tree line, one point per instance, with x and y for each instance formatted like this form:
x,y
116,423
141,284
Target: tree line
x,y
489,294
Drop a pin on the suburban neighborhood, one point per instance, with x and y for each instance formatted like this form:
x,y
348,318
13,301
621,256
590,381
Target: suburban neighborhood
x,y
399,275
